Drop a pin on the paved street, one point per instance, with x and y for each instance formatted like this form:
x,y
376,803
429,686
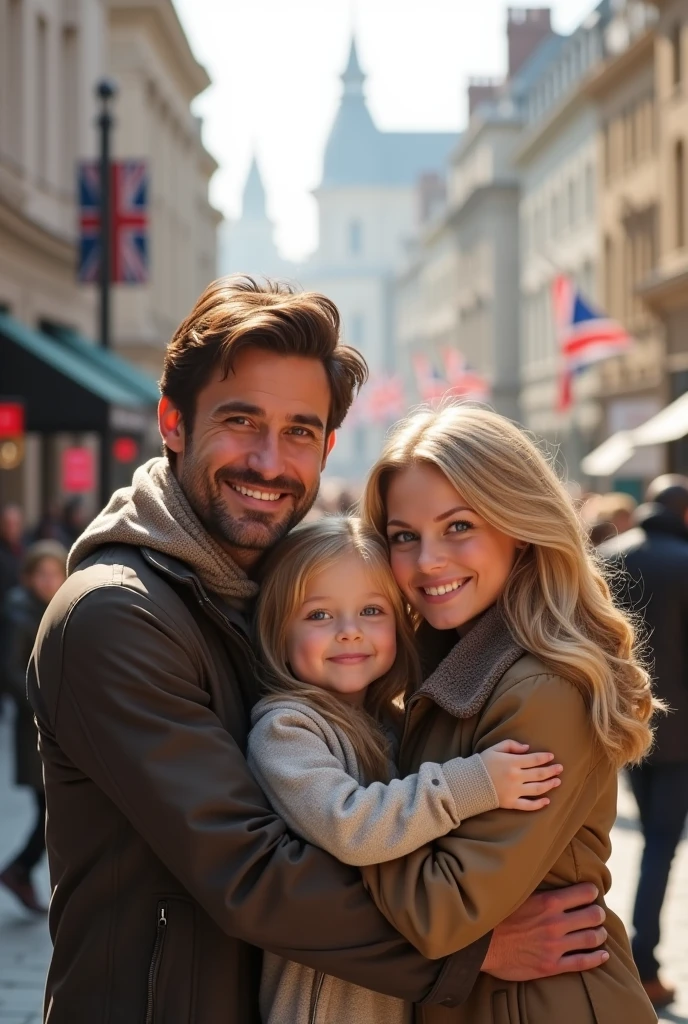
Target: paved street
x,y
25,946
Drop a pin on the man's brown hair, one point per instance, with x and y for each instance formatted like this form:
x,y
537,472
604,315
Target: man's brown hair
x,y
239,312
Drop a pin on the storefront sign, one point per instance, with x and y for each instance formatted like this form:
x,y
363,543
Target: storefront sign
x,y
11,419
78,470
125,449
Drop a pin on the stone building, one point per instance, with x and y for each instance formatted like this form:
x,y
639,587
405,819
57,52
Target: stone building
x,y
367,214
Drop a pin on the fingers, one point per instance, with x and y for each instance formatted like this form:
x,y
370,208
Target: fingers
x,y
524,804
524,761
590,938
538,788
540,774
575,962
510,747
579,895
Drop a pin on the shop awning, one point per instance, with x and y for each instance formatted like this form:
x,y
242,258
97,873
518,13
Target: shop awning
x,y
668,425
610,455
117,369
65,390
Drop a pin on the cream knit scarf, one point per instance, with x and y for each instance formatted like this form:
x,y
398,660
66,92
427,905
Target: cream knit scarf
x,y
155,513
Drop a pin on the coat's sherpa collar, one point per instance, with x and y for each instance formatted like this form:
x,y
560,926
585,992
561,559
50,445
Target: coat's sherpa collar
x,y
464,680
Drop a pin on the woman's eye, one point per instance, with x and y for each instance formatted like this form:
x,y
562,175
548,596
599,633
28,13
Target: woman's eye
x,y
460,526
371,610
319,616
403,537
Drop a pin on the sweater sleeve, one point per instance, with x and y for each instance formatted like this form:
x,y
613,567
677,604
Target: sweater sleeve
x,y
309,787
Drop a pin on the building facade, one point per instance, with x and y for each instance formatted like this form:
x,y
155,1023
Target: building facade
x,y
367,214
150,58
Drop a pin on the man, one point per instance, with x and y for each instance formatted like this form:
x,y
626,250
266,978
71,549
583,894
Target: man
x,y
168,866
655,554
11,553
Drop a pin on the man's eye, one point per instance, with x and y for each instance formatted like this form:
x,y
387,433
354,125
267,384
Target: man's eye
x,y
239,420
301,432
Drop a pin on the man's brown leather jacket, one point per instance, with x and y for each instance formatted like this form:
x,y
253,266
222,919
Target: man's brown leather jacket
x,y
169,868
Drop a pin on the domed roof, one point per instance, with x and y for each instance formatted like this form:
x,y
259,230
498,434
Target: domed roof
x,y
358,153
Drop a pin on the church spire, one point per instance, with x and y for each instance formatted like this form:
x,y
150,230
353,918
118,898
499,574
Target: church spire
x,y
353,77
254,205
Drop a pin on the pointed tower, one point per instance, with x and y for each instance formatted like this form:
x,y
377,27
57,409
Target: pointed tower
x,y
247,245
352,151
253,206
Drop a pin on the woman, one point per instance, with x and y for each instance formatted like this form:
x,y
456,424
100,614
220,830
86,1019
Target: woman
x,y
484,542
43,573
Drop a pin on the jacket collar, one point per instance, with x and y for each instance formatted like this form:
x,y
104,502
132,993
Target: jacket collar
x,y
463,681
179,571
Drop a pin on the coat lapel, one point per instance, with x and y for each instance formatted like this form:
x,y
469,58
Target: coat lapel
x,y
465,678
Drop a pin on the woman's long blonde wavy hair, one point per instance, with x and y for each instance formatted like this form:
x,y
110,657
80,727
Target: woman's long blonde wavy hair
x,y
556,601
307,551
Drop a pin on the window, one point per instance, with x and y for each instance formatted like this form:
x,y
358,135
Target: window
x,y
589,191
609,270
573,202
676,56
70,107
680,194
355,238
11,85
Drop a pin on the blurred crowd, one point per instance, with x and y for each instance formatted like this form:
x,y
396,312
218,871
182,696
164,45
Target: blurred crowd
x,y
648,541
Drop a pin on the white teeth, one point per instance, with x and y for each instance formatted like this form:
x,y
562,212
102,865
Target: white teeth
x,y
261,495
444,589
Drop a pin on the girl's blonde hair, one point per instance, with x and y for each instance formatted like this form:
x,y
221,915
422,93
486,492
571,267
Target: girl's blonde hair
x,y
556,602
307,551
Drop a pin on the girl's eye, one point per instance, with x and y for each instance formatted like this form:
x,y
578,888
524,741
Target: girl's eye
x,y
402,537
319,616
460,526
371,610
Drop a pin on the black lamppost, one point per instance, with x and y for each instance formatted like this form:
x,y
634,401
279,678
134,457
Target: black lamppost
x,y
106,91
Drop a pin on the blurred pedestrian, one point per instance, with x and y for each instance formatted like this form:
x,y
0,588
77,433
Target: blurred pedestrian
x,y
43,573
51,527
608,515
11,551
655,554
74,519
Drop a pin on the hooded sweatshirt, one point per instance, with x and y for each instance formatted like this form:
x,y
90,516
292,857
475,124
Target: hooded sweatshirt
x,y
155,513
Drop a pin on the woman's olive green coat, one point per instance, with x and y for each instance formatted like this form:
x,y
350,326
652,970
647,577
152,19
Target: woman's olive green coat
x,y
444,896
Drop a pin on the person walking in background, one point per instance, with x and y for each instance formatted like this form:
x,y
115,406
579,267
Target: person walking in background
x,y
43,573
655,554
11,550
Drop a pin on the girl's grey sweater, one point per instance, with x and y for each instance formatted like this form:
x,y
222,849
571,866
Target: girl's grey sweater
x,y
309,771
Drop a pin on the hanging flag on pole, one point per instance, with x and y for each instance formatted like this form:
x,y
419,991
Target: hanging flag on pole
x,y
129,189
381,402
464,382
585,335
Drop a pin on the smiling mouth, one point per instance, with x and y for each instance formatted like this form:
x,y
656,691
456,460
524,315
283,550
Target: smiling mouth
x,y
445,588
259,495
349,659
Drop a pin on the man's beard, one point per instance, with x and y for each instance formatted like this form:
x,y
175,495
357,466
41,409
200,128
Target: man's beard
x,y
254,530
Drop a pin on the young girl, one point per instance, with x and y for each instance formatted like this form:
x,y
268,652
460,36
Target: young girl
x,y
338,650
484,541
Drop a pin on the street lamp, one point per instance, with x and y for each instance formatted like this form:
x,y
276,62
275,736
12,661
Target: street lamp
x,y
106,91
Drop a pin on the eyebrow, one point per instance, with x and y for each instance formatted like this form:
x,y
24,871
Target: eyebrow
x,y
438,519
330,597
247,409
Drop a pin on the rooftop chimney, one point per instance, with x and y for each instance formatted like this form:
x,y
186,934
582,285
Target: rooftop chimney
x,y
527,28
481,90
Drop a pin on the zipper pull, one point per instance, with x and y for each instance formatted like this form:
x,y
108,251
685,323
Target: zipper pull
x,y
162,920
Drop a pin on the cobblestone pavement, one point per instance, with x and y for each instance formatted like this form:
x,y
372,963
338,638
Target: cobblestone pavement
x,y
25,945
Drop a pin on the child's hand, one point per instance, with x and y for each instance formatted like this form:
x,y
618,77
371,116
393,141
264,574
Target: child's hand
x,y
518,776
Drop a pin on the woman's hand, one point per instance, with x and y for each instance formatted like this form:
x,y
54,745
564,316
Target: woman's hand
x,y
521,778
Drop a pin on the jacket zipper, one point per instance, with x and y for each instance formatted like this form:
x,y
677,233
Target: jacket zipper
x,y
155,961
319,979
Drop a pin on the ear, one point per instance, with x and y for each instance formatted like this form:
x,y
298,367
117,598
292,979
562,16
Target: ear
x,y
171,425
329,445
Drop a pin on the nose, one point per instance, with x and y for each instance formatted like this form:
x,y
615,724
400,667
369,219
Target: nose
x,y
430,557
349,629
266,456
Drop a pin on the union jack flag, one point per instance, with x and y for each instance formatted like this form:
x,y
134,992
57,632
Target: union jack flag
x,y
585,335
129,199
463,381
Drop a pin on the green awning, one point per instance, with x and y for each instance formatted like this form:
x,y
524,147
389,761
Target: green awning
x,y
63,389
117,368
